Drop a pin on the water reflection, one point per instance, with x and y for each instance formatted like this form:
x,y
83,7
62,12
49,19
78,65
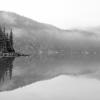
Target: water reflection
x,y
6,65
43,66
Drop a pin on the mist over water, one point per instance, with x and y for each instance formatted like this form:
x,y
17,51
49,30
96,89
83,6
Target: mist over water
x,y
62,64
21,71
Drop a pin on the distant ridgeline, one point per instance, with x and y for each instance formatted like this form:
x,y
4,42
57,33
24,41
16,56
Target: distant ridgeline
x,y
6,44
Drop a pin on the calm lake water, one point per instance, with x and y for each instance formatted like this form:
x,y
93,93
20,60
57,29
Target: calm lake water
x,y
54,77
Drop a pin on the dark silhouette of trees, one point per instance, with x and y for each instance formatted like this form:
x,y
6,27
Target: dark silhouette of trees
x,y
7,54
6,41
6,65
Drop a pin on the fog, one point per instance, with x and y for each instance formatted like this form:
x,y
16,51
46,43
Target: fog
x,y
52,74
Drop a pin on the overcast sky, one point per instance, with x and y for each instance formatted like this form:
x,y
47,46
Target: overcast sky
x,y
61,13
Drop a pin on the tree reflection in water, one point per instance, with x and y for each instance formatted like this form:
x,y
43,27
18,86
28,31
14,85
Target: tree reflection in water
x,y
6,65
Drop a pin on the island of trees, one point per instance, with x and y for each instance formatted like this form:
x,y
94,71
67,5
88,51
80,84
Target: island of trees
x,y
7,44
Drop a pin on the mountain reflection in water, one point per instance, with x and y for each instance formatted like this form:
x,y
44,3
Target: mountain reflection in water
x,y
6,65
